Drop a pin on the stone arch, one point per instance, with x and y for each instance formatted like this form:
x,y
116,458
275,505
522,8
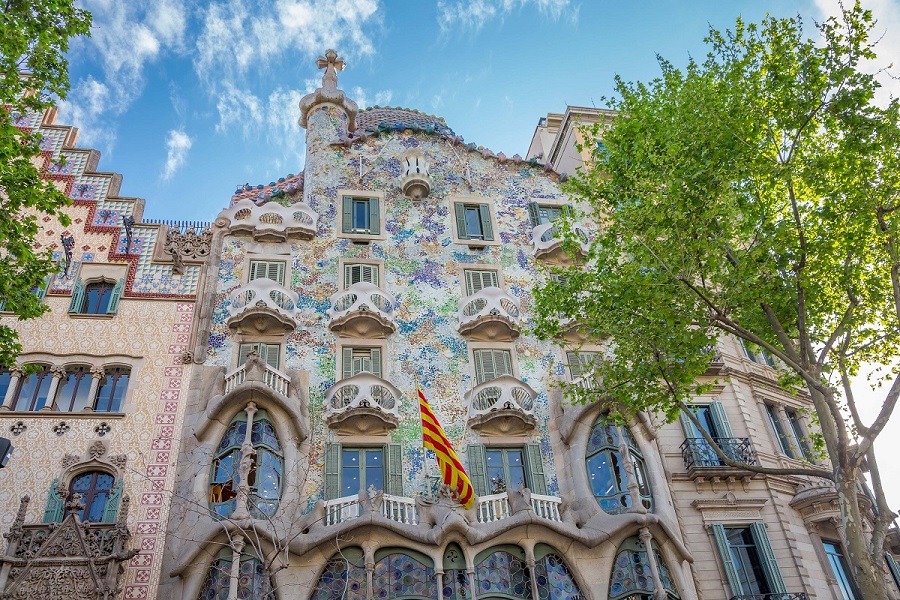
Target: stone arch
x,y
639,571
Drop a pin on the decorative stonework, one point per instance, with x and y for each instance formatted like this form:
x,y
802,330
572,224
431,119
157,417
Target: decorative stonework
x,y
18,428
189,245
61,428
329,92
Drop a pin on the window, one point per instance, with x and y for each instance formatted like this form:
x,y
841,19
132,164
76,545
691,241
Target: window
x,y
775,420
797,429
5,381
490,364
606,470
269,353
253,580
712,420
473,222
95,488
96,298
476,280
360,273
112,390
359,360
496,470
33,390
266,468
840,569
632,577
758,355
350,470
75,393
361,215
505,469
273,270
543,213
580,363
361,468
750,565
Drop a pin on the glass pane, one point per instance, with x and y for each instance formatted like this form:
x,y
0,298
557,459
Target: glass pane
x,y
361,215
33,393
350,483
97,506
224,469
374,469
473,223
264,434
97,296
5,377
840,570
516,469
549,213
600,471
746,561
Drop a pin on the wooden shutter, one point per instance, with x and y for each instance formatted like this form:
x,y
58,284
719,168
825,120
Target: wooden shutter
x,y
767,558
332,471
357,272
477,468
574,364
725,554
115,297
723,429
255,268
55,509
244,351
534,213
270,354
478,280
112,503
267,269
347,215
461,231
41,290
537,482
375,353
487,231
76,305
374,216
503,362
394,480
490,364
347,363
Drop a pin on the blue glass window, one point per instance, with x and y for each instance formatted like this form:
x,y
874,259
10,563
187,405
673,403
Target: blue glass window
x,y
606,470
95,488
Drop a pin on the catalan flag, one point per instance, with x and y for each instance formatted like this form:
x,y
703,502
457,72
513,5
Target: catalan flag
x,y
452,471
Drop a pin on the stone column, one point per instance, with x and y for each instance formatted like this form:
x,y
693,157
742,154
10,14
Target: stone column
x,y
97,374
647,539
15,377
57,373
242,511
634,490
370,575
237,545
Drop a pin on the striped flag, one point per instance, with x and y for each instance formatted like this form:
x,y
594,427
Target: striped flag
x,y
452,471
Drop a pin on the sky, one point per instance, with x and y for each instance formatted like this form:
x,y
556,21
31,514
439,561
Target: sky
x,y
190,99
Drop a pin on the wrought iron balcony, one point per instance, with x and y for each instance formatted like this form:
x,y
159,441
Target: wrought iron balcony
x,y
362,404
263,306
785,596
549,244
698,453
272,222
489,315
502,406
271,376
362,310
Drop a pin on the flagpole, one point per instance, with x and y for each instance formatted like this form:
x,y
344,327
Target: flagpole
x,y
428,475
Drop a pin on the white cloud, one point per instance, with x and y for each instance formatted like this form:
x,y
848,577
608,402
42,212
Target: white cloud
x,y
177,146
382,98
238,107
473,14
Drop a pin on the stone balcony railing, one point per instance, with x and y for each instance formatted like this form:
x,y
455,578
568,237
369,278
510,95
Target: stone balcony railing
x,y
362,404
272,222
549,244
362,310
501,406
263,305
496,507
394,508
272,377
489,315
699,454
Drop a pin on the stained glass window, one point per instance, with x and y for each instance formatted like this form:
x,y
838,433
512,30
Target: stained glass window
x,y
399,575
253,581
503,572
632,577
344,578
554,580
606,470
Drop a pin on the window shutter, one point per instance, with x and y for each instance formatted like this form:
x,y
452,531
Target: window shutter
x,y
276,272
332,471
767,558
112,503
255,267
718,414
534,213
725,554
394,479
484,365
347,220
473,282
461,231
502,362
77,303
270,354
41,291
893,567
244,352
347,366
537,480
477,471
574,365
369,274
375,353
349,278
484,212
374,217
115,297
55,505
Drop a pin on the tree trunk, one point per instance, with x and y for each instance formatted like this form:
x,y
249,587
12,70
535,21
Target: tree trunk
x,y
867,572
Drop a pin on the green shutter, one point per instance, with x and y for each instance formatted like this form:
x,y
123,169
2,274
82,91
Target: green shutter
x,y
484,212
347,220
41,291
374,217
534,213
537,480
394,479
369,274
484,365
112,504
725,554
461,231
244,351
893,567
721,420
477,471
332,471
115,297
503,362
375,353
270,354
349,278
767,558
478,280
574,365
279,272
347,366
77,303
55,505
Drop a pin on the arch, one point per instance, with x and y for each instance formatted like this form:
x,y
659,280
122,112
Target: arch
x,y
404,574
343,578
253,580
553,576
632,575
608,474
502,572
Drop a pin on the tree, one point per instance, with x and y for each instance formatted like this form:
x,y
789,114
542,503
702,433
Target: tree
x,y
34,36
752,194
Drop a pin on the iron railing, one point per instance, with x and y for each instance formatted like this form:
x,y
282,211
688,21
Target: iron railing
x,y
183,226
698,453
784,596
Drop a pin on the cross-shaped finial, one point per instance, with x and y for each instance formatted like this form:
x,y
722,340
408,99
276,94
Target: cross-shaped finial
x,y
332,63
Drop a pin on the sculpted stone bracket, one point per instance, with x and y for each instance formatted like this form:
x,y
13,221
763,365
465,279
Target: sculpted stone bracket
x,y
189,245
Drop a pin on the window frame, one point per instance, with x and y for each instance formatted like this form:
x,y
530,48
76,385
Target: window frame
x,y
380,345
83,380
798,432
464,271
269,262
360,236
89,498
125,370
479,346
344,263
268,344
782,439
45,377
844,580
490,217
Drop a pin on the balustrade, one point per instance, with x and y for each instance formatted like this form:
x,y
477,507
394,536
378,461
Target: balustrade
x,y
490,314
272,377
263,304
362,310
504,405
548,243
363,403
271,221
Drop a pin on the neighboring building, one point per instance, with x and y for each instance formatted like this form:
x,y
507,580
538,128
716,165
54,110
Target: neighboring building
x,y
400,256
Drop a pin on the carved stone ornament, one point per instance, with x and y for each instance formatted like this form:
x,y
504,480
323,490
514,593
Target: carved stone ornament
x,y
329,92
188,245
96,450
18,428
61,428
70,460
187,358
118,460
102,429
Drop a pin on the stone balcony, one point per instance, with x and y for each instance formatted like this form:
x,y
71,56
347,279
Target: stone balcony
x,y
272,377
549,244
362,404
502,406
363,310
272,222
489,315
263,306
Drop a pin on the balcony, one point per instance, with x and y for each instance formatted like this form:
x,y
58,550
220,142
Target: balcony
x,y
362,404
489,315
785,596
549,244
272,377
701,460
502,406
263,306
272,222
363,310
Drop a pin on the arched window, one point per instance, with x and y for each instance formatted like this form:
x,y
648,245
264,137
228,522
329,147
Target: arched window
x,y
253,581
632,576
33,390
112,390
554,579
265,474
75,393
96,298
95,488
344,577
404,574
502,570
607,470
